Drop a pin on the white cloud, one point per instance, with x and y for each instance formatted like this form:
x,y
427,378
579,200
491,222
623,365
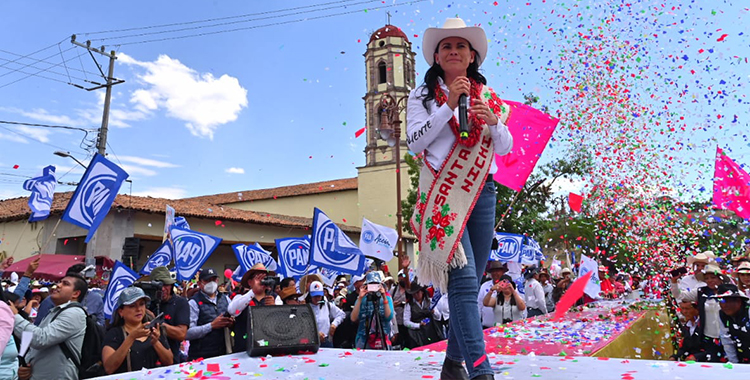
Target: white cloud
x,y
136,170
39,134
162,192
235,171
201,100
147,162
13,137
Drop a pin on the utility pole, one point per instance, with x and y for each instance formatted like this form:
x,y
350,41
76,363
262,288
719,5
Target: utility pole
x,y
101,142
110,80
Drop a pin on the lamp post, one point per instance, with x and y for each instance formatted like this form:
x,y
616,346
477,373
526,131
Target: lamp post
x,y
389,128
67,154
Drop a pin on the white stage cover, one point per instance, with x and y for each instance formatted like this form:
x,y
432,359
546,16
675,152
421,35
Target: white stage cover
x,y
371,365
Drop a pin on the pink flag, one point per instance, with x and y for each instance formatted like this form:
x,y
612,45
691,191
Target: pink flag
x,y
731,186
531,130
575,201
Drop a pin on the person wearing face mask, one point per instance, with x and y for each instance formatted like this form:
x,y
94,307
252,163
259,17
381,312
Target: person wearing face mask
x,y
208,319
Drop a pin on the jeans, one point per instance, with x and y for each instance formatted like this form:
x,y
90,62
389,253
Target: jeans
x,y
465,336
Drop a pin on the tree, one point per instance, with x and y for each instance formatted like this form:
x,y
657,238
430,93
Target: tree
x,y
414,164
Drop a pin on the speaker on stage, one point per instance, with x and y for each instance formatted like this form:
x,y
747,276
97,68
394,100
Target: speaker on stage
x,y
281,330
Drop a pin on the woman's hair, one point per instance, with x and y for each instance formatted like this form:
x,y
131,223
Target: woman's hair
x,y
117,320
435,72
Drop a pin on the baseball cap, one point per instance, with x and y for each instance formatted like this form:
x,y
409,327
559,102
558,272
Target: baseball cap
x,y
208,274
316,289
130,295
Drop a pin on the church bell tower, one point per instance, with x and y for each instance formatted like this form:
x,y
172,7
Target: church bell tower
x,y
389,68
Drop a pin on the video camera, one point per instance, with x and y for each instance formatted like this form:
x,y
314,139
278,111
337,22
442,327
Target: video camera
x,y
270,283
153,290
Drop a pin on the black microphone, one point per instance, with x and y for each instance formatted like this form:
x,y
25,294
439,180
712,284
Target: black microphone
x,y
463,119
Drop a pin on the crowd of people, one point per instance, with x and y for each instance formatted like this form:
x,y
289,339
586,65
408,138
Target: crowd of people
x,y
205,319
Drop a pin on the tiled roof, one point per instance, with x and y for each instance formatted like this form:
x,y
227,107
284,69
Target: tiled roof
x,y
280,192
18,209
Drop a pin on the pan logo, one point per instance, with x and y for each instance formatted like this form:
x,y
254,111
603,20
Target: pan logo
x,y
368,236
190,249
507,248
95,192
121,278
326,243
295,256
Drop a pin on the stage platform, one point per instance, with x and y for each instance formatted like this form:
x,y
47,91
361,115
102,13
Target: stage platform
x,y
330,364
623,329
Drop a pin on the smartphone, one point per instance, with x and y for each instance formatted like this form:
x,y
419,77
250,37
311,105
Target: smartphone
x,y
678,271
159,319
373,287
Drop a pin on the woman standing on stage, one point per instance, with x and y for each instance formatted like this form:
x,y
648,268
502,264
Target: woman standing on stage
x,y
457,195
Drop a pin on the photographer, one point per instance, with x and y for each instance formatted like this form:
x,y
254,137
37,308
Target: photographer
x,y
507,304
132,343
176,310
208,319
373,296
256,279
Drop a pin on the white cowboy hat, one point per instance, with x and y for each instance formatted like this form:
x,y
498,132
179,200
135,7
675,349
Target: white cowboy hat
x,y
454,27
703,257
744,267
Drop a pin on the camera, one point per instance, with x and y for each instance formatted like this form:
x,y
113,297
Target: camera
x,y
270,283
153,290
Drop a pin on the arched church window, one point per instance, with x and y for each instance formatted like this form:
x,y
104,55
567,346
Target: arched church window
x,y
382,73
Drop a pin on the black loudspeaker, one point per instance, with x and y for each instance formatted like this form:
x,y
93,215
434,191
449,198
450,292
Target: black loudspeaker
x,y
131,249
282,330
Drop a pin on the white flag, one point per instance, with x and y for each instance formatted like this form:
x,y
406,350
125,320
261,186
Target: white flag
x,y
593,287
377,241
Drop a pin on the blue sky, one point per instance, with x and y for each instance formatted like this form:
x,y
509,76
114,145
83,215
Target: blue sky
x,y
279,105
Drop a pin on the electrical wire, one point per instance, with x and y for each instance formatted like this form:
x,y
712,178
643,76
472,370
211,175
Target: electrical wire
x,y
32,138
81,70
38,51
258,26
30,64
46,126
20,70
36,74
228,22
212,19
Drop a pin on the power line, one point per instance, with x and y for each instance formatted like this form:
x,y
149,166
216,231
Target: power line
x,y
32,138
41,71
38,61
20,70
47,126
259,26
29,64
38,51
212,19
228,22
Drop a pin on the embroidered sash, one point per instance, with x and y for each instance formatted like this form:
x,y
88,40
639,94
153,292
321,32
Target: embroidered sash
x,y
446,200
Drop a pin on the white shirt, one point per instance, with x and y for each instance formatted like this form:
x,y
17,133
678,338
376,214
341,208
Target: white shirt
x,y
430,131
442,309
324,320
506,311
240,302
712,323
689,283
534,296
485,313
